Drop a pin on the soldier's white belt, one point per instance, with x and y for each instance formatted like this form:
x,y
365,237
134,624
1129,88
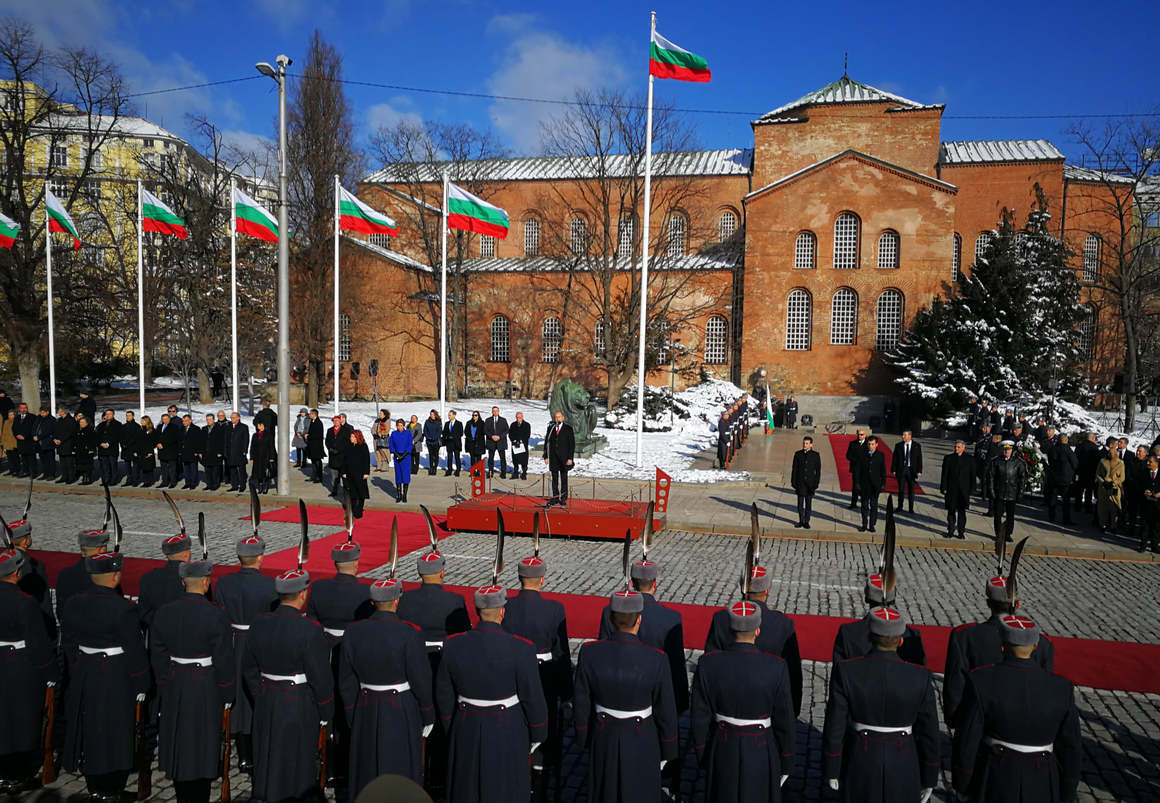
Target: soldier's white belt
x,y
205,660
507,702
744,723
543,657
16,645
330,631
643,713
436,644
297,680
108,652
240,627
395,687
905,730
1019,748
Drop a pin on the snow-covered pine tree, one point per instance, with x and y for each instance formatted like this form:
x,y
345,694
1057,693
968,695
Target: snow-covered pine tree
x,y
1009,329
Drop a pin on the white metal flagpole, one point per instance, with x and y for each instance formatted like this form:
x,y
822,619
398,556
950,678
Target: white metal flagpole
x,y
234,295
641,374
140,301
336,209
51,334
443,311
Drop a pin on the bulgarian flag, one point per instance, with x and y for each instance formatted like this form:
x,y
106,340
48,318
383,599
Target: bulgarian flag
x,y
250,218
465,211
354,215
156,216
59,220
8,229
768,408
666,60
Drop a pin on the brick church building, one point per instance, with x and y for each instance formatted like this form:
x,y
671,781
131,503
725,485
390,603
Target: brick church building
x,y
804,256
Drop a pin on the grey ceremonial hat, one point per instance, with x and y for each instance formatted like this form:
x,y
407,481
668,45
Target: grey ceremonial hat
x,y
20,529
490,597
291,582
760,580
195,568
93,538
11,561
532,567
744,617
886,622
876,592
1007,444
346,552
175,544
645,570
251,546
1019,630
627,602
386,590
104,563
997,589
431,563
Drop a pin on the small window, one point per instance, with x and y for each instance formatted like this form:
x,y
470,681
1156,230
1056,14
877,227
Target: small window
x,y
93,190
486,245
531,237
726,225
59,189
381,240
889,320
500,339
1152,220
844,318
599,341
716,340
625,238
96,159
846,241
553,335
805,251
59,156
344,337
888,249
956,257
981,242
661,332
146,143
676,244
1087,333
798,320
1091,257
578,236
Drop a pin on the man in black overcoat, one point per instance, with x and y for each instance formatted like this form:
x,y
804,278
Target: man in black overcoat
x,y
130,438
906,466
452,438
870,480
805,477
957,483
315,440
45,438
66,430
856,452
237,444
559,454
193,442
108,447
495,432
520,435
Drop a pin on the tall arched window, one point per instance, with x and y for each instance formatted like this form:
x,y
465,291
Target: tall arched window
x,y
500,339
1091,257
888,249
625,237
553,335
578,236
981,243
1087,333
716,340
486,245
344,337
599,340
531,237
726,225
805,251
889,320
844,318
676,242
798,321
846,241
956,257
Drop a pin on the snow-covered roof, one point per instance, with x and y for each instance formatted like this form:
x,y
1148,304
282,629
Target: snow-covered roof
x,y
725,162
844,90
859,155
547,264
1077,173
409,198
126,126
387,253
985,151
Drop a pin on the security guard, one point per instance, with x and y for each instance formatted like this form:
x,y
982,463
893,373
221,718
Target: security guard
x,y
385,684
1018,737
490,701
75,578
742,715
163,584
286,668
881,737
192,652
108,675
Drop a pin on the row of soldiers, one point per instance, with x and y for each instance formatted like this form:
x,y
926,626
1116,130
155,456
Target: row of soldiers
x,y
379,680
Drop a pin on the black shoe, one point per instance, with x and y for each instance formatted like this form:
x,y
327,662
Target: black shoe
x,y
961,536
797,524
806,525
456,473
862,529
950,534
912,511
446,473
873,528
851,507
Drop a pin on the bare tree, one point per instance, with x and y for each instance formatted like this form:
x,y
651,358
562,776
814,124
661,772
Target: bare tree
x,y
1125,157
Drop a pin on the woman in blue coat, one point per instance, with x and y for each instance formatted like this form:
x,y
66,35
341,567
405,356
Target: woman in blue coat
x,y
401,443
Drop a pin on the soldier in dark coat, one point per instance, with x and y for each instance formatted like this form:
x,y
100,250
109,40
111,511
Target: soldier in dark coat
x,y
1008,481
870,481
1018,739
520,435
625,716
66,430
75,578
163,584
245,595
495,431
957,483
193,440
192,652
33,574
1059,476
237,441
386,686
742,716
452,438
27,664
881,739
489,699
805,477
286,668
853,638
856,452
108,675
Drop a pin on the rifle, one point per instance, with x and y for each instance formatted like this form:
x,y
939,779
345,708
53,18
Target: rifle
x,y
48,771
322,756
225,755
144,778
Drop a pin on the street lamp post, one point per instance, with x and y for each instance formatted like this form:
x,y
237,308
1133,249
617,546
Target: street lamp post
x,y
284,424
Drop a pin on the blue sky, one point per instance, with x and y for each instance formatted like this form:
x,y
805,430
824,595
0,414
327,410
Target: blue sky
x,y
979,58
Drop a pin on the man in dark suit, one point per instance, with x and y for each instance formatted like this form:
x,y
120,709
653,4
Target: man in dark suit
x,y
520,434
869,482
237,444
1150,536
856,455
24,428
906,465
559,451
315,445
192,449
169,450
108,447
495,432
805,477
452,438
45,436
957,484
130,435
337,439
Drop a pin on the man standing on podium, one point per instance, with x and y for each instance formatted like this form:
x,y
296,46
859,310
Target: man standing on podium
x,y
559,451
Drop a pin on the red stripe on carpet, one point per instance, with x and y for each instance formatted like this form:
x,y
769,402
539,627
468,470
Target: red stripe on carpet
x,y
838,444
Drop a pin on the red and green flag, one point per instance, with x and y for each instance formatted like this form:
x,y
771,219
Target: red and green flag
x,y
467,212
59,219
156,216
8,230
252,219
354,215
667,60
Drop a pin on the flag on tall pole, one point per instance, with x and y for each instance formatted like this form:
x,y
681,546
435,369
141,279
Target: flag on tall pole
x,y
469,213
154,215
59,220
56,219
666,60
337,223
157,216
8,231
354,215
251,218
234,295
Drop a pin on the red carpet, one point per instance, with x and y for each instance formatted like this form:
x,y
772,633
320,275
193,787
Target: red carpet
x,y
1124,666
845,481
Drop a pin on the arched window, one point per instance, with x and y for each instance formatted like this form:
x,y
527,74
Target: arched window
x,y
889,320
1091,257
531,237
344,337
846,241
726,225
716,340
1087,333
553,335
676,243
981,243
486,245
625,237
888,249
500,339
798,321
578,236
844,318
805,251
599,340
956,257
